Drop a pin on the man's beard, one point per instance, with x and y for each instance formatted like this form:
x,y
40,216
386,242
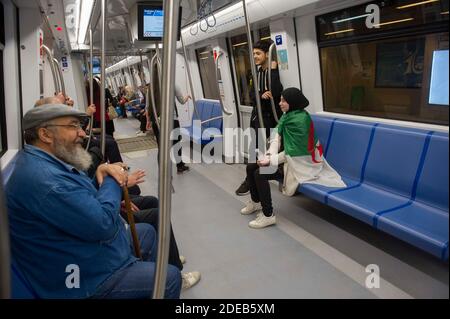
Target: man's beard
x,y
76,156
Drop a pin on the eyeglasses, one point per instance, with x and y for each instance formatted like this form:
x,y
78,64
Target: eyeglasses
x,y
77,127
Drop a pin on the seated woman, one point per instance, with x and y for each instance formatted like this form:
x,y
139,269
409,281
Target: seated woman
x,y
302,159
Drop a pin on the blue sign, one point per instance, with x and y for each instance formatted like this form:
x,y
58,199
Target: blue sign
x,y
64,59
65,65
279,40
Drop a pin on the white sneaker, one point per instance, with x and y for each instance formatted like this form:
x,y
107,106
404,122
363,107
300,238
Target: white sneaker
x,y
250,208
182,259
141,134
190,279
262,221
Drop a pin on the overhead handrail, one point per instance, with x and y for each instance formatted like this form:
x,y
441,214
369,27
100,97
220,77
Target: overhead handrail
x,y
188,69
218,87
52,67
5,254
272,101
60,76
91,86
171,13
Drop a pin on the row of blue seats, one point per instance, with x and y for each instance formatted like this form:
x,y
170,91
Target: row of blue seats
x,y
397,179
206,110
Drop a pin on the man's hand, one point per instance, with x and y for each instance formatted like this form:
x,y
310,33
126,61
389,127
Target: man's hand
x,y
136,177
115,171
134,208
267,95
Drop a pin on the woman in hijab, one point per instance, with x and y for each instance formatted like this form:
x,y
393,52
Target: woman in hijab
x,y
302,159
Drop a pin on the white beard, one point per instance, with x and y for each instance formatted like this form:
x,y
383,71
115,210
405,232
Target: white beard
x,y
77,156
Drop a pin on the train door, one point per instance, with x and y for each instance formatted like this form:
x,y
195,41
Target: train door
x,y
217,84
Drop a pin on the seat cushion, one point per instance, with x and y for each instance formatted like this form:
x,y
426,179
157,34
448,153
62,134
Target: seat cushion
x,y
319,192
420,225
363,202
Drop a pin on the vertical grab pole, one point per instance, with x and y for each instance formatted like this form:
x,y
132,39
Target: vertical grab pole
x,y
102,86
5,265
60,76
188,69
216,64
91,84
269,70
171,11
52,67
152,91
253,66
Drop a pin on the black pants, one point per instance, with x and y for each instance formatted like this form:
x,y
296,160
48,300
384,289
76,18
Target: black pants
x,y
260,188
148,213
143,120
176,124
112,152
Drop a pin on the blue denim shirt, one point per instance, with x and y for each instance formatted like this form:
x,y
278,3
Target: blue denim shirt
x,y
58,218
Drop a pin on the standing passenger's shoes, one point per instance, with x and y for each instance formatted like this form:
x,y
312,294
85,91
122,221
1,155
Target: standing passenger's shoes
x,y
262,221
189,279
243,189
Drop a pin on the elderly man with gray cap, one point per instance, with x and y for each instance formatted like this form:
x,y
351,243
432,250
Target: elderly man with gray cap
x,y
67,236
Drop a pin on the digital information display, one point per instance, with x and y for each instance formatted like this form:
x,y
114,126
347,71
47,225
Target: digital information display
x,y
153,24
439,78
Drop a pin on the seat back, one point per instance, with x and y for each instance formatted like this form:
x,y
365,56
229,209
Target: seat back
x,y
348,147
394,159
322,128
432,188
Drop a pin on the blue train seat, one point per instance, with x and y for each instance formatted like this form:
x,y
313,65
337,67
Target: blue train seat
x,y
209,130
397,179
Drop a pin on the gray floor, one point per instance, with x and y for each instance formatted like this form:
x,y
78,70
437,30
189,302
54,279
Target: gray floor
x,y
314,251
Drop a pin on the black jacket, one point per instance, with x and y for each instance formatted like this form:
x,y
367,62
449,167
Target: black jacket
x,y
266,107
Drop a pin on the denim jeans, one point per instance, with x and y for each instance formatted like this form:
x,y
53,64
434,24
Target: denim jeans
x,y
136,281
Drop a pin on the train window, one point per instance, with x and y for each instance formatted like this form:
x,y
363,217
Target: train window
x,y
3,145
242,63
205,58
386,73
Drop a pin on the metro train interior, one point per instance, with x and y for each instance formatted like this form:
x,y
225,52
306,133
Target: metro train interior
x,y
376,78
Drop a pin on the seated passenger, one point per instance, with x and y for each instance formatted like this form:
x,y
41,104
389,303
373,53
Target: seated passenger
x,y
67,236
302,159
145,209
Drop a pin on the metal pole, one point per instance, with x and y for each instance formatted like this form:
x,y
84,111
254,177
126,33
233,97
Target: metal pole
x,y
60,76
253,66
269,70
91,85
188,69
52,67
5,257
217,82
171,11
152,91
102,86
141,72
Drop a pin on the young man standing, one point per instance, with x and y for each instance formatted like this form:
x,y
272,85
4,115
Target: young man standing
x,y
261,58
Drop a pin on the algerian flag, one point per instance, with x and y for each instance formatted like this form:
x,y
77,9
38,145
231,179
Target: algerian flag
x,y
304,154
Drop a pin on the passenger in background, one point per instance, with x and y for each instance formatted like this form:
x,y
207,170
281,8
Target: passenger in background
x,y
65,225
302,159
145,210
109,124
261,58
181,166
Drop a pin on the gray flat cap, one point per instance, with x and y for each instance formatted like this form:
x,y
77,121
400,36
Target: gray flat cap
x,y
41,114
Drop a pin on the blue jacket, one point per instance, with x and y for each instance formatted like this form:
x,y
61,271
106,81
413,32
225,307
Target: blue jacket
x,y
59,218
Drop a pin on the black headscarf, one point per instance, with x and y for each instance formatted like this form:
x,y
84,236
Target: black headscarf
x,y
295,98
